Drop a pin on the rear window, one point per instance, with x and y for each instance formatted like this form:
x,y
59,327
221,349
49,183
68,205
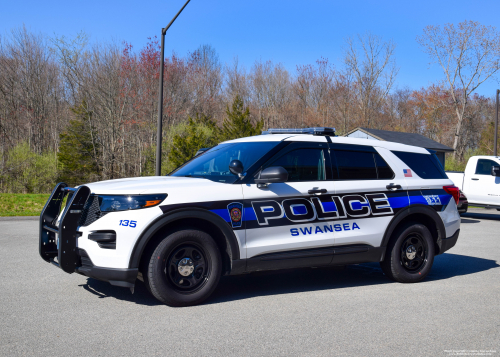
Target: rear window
x,y
424,165
360,165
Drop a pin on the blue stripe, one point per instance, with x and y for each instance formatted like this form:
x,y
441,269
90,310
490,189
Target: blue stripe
x,y
223,213
398,201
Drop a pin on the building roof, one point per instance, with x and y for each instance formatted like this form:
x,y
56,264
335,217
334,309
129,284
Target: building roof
x,y
404,138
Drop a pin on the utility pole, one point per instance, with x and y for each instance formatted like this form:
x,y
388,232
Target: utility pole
x,y
496,128
160,94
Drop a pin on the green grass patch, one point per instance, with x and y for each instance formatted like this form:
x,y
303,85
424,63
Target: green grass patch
x,y
18,204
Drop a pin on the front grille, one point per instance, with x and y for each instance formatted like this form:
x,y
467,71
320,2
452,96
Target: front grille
x,y
91,212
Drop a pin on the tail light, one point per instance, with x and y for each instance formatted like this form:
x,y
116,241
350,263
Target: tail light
x,y
454,191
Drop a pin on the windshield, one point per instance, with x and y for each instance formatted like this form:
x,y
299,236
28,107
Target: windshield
x,y
214,163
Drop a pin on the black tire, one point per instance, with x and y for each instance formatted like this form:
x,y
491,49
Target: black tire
x,y
198,254
416,263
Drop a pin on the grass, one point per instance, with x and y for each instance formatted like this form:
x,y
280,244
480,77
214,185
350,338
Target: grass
x,y
18,204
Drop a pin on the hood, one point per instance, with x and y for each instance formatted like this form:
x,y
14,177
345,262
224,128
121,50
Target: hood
x,y
146,185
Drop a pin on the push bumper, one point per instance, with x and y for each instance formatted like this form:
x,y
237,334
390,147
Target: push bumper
x,y
58,244
449,242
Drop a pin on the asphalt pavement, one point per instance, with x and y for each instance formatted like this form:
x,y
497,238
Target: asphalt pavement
x,y
354,311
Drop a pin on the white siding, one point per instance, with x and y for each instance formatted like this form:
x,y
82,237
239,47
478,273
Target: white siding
x,y
361,135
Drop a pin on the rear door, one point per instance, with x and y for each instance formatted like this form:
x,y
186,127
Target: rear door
x,y
370,191
283,217
484,188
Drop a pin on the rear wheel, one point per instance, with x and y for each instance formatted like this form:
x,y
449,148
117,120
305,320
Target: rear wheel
x,y
184,269
410,254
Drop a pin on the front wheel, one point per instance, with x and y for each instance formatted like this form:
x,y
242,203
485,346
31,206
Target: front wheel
x,y
184,269
410,254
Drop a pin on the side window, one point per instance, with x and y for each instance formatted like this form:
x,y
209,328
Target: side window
x,y
359,165
356,165
384,171
302,165
424,165
484,166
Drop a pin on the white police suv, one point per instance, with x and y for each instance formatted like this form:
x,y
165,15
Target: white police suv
x,y
289,198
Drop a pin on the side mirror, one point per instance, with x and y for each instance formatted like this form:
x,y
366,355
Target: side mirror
x,y
273,174
495,171
236,167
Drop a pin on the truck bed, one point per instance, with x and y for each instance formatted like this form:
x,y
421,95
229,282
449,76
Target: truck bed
x,y
457,177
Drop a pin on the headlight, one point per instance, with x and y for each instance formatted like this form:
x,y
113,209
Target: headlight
x,y
124,203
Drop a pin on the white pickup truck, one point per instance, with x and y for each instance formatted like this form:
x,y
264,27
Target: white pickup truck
x,y
480,182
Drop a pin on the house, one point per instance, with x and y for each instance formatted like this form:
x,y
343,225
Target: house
x,y
402,138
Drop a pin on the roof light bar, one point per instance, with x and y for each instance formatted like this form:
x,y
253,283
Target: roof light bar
x,y
311,131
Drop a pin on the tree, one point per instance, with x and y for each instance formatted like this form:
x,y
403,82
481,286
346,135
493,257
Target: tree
x,y
469,54
78,151
237,123
201,132
374,69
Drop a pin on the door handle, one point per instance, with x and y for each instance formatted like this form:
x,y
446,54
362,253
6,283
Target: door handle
x,y
475,179
393,187
317,190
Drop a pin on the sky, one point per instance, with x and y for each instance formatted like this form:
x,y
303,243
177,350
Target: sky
x,y
292,32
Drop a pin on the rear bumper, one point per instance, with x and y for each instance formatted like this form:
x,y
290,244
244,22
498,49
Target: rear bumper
x,y
449,242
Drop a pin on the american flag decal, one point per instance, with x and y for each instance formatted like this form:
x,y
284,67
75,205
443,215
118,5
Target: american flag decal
x,y
407,172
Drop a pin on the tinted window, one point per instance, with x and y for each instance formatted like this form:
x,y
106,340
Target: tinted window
x,y
214,163
484,166
423,165
384,171
302,165
355,165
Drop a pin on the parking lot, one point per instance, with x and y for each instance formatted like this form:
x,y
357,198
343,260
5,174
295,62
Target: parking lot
x,y
323,311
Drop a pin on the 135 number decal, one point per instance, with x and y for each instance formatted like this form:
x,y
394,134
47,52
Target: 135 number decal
x,y
127,223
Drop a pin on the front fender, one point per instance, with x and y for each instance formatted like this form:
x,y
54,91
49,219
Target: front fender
x,y
176,215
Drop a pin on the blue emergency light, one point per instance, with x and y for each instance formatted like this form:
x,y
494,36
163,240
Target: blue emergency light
x,y
311,131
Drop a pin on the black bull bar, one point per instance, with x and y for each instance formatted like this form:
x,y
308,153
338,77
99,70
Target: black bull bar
x,y
66,249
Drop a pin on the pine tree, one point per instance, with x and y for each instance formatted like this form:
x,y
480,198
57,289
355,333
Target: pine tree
x,y
78,152
237,123
201,132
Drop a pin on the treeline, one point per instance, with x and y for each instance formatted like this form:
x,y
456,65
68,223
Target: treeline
x,y
79,112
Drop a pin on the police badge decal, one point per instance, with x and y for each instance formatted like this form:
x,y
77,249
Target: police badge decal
x,y
235,210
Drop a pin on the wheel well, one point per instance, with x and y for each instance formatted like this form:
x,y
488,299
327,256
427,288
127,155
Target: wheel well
x,y
426,221
190,223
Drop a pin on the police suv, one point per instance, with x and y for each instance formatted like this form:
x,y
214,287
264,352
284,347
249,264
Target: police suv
x,y
288,198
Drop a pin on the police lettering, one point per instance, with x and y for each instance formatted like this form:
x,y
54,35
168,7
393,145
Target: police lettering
x,y
327,208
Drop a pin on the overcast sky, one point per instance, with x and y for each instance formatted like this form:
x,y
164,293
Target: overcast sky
x,y
291,32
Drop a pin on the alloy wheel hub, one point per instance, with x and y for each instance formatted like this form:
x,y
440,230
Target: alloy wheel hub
x,y
185,267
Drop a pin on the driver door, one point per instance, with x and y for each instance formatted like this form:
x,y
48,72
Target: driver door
x,y
282,225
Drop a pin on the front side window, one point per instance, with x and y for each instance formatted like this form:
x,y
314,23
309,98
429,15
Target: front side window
x,y
214,163
302,165
484,166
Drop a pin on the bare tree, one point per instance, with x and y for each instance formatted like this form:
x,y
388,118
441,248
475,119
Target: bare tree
x,y
371,60
469,54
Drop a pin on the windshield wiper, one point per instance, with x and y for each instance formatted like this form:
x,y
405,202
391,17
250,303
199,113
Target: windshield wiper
x,y
195,176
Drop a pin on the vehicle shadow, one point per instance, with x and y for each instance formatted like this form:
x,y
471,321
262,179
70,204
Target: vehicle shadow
x,y
252,285
298,280
494,215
